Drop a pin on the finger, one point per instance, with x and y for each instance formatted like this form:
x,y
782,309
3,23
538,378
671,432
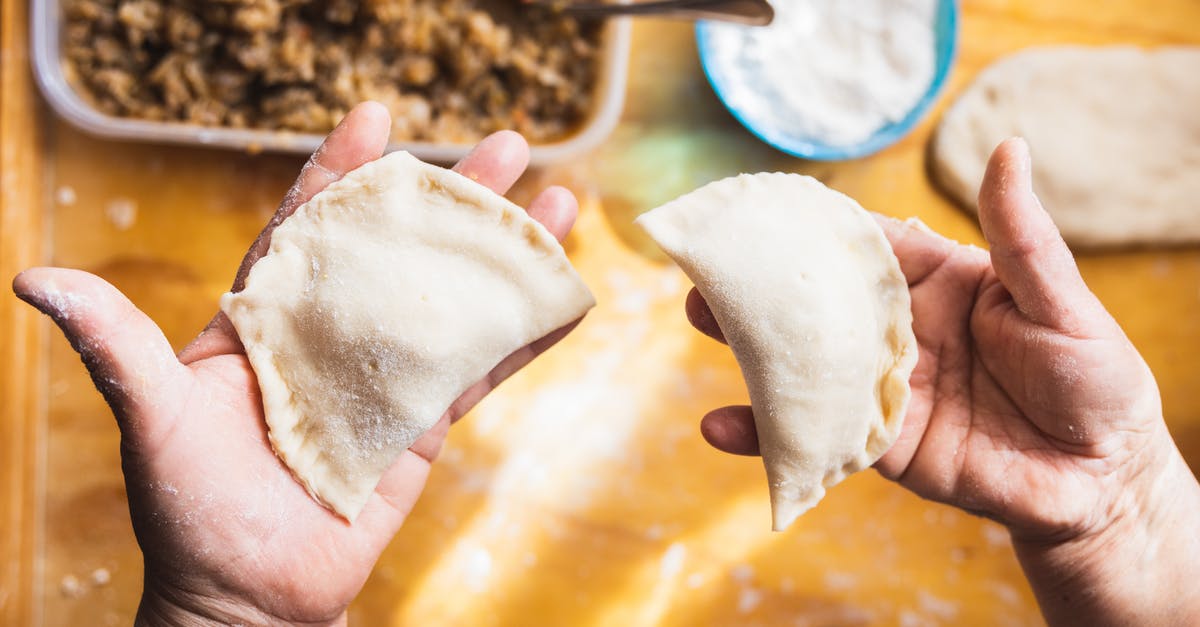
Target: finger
x,y
919,250
361,137
556,208
130,360
497,161
731,429
1029,255
396,493
701,316
429,445
218,338
504,370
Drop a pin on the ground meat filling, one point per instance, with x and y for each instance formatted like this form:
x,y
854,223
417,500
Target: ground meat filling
x,y
449,70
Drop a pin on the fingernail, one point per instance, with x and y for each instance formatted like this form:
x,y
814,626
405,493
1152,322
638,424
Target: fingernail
x,y
1025,162
917,224
1025,165
1018,171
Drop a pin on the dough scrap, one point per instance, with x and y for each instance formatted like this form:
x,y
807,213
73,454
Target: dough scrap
x,y
810,296
1114,131
380,302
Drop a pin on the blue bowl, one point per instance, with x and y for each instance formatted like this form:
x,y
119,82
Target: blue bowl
x,y
946,31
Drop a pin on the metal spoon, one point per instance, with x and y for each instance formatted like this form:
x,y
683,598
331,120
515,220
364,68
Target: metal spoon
x,y
751,12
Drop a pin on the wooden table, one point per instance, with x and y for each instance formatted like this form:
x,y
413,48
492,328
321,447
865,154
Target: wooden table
x,y
581,493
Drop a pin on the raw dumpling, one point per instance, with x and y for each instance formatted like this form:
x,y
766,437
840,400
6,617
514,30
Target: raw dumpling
x,y
380,301
1115,135
810,297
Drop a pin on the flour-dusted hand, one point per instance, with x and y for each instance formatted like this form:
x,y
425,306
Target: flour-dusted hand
x,y
228,535
1031,407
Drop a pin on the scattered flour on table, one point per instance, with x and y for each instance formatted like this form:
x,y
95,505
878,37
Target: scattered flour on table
x,y
65,195
840,582
935,606
749,596
638,296
841,615
71,587
672,561
1006,593
958,555
478,569
122,213
749,599
829,70
100,577
566,410
58,388
1162,267
742,573
995,535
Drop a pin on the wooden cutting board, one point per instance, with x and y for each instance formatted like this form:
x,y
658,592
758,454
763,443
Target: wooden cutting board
x,y
580,493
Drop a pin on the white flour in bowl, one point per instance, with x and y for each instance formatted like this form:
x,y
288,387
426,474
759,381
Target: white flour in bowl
x,y
833,71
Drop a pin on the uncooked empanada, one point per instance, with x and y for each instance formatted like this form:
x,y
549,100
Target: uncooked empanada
x,y
382,300
1115,135
810,297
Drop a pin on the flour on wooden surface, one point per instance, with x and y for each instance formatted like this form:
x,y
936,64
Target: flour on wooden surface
x,y
121,213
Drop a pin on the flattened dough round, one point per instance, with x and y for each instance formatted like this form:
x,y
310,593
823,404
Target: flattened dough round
x,y
811,298
1114,133
380,302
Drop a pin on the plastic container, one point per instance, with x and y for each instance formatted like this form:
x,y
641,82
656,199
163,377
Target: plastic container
x,y
48,64
946,33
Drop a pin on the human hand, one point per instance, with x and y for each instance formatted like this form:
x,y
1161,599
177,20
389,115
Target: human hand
x,y
228,535
1030,407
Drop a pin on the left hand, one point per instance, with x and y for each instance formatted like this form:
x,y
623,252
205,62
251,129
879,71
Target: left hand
x,y
228,534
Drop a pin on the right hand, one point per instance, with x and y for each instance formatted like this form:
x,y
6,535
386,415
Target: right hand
x,y
1030,406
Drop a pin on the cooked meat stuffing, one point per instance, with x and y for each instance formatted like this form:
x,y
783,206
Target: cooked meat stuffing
x,y
449,70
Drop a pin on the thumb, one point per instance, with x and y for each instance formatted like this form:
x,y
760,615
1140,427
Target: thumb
x,y
1029,255
130,360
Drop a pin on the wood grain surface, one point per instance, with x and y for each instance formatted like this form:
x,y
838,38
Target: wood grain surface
x,y
581,493
22,336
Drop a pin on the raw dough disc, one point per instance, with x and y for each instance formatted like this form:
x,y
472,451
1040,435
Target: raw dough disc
x,y
380,302
810,296
1114,132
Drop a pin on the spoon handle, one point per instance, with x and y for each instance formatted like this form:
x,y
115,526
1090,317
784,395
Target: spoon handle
x,y
752,12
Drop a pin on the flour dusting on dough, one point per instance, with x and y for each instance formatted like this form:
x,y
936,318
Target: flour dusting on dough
x,y
380,301
811,298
